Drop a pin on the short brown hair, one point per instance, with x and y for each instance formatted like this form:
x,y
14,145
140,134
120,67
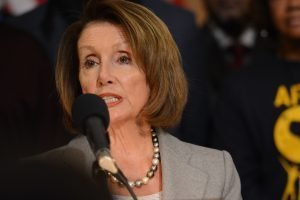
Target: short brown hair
x,y
153,47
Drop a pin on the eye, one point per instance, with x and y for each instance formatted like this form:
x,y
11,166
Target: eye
x,y
124,60
90,62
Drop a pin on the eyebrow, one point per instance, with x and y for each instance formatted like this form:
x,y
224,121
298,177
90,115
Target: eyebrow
x,y
123,45
87,47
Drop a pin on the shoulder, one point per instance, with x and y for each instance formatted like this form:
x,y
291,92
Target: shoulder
x,y
207,159
258,79
205,166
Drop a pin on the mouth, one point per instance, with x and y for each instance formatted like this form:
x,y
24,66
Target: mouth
x,y
111,99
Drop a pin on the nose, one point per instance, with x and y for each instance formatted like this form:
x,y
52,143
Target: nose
x,y
105,76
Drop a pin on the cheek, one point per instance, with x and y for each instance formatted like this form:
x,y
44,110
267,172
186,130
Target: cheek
x,y
87,83
141,93
138,90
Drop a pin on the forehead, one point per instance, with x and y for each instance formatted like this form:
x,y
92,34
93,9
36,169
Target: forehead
x,y
103,33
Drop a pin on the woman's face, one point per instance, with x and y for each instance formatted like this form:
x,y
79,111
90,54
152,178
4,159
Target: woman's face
x,y
109,70
286,17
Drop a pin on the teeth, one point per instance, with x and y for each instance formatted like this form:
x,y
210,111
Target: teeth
x,y
110,99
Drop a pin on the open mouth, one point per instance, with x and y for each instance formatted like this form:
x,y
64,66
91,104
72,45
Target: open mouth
x,y
111,100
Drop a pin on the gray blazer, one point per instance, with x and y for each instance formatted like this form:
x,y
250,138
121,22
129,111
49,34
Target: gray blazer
x,y
188,171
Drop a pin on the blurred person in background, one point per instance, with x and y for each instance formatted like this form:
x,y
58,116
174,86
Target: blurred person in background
x,y
258,116
31,117
230,37
45,20
196,7
38,180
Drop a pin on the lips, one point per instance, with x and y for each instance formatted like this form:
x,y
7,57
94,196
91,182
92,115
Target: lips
x,y
111,99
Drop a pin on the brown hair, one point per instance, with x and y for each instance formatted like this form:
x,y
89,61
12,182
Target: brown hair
x,y
153,47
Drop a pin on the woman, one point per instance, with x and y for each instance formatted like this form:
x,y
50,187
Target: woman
x,y
123,53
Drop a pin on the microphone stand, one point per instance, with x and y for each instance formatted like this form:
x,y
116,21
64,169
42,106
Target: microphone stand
x,y
107,163
122,178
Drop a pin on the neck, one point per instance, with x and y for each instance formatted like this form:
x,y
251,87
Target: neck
x,y
129,137
131,146
289,49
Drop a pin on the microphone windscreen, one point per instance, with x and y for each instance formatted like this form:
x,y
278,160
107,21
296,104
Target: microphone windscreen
x,y
88,105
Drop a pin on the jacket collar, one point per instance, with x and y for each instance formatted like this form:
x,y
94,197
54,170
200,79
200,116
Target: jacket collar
x,y
181,178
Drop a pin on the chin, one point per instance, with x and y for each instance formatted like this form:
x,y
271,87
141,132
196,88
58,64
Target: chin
x,y
116,119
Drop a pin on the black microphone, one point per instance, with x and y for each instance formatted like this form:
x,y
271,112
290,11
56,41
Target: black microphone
x,y
91,116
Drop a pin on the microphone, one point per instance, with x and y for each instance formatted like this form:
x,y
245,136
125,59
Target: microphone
x,y
90,115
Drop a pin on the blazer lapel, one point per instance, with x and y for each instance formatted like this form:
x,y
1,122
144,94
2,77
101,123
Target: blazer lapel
x,y
181,180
